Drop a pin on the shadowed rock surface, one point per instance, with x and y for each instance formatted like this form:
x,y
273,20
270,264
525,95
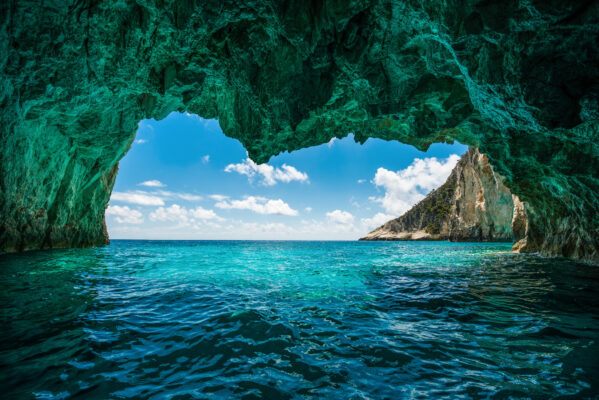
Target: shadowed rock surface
x,y
472,205
517,79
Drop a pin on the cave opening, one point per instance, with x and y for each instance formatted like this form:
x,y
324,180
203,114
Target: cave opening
x,y
184,179
304,87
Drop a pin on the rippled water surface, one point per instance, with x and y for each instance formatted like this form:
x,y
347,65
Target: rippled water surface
x,y
346,320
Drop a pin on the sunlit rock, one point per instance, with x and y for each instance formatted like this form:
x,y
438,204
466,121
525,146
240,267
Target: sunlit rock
x,y
519,80
472,205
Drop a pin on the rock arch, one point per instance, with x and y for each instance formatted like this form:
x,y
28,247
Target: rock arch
x,y
517,79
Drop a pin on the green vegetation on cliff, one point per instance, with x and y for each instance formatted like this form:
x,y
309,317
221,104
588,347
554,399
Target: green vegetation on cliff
x,y
472,205
439,206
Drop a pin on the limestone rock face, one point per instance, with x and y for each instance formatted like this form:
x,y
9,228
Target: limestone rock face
x,y
472,205
516,79
484,206
519,224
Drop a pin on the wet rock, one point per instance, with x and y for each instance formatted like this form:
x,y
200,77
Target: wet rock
x,y
518,80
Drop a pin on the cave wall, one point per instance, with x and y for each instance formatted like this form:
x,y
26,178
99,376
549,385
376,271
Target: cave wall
x,y
518,79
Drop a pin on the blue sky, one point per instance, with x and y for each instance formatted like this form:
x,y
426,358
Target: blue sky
x,y
184,179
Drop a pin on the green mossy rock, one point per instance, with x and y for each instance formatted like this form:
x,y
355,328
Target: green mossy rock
x,y
517,79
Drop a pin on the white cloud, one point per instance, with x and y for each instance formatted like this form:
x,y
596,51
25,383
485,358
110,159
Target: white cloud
x,y
182,196
206,159
139,197
331,142
141,141
377,220
259,205
155,198
174,213
308,209
218,197
204,214
269,174
153,183
361,180
287,173
274,229
406,187
125,215
340,217
182,215
328,229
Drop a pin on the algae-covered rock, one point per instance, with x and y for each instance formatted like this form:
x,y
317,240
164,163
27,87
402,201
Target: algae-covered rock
x,y
472,205
517,79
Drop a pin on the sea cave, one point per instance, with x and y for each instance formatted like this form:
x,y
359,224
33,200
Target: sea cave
x,y
515,81
518,81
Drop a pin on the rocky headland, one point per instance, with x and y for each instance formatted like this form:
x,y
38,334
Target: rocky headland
x,y
472,205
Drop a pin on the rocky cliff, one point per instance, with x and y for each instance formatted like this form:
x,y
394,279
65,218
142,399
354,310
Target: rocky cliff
x,y
472,205
516,79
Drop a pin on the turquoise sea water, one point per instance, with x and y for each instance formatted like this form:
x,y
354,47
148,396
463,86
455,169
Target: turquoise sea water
x,y
334,320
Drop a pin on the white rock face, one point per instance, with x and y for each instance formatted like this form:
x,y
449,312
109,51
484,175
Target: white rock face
x,y
472,205
519,225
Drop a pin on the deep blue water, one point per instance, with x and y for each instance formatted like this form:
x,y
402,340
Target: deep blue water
x,y
334,320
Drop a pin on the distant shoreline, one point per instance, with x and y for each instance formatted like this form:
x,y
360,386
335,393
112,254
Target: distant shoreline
x,y
302,240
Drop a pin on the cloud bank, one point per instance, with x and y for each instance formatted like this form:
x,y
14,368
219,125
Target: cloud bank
x,y
156,198
267,174
260,205
125,215
182,215
340,217
406,187
137,197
